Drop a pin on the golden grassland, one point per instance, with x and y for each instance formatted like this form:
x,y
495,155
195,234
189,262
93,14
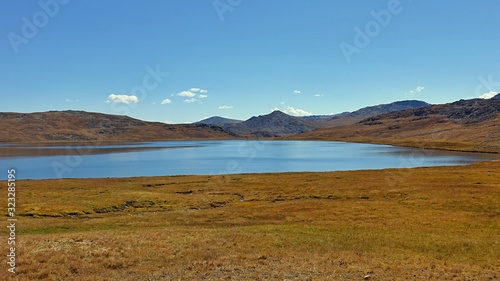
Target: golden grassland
x,y
439,223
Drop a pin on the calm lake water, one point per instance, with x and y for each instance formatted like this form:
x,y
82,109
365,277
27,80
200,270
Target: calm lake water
x,y
216,157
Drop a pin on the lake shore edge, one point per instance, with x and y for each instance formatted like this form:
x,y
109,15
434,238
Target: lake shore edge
x,y
13,149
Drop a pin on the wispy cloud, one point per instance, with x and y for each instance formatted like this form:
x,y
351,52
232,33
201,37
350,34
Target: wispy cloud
x,y
226,107
296,111
488,95
186,94
319,95
415,91
297,92
69,100
166,101
191,100
122,99
202,96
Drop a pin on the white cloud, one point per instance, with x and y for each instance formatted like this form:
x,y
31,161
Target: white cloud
x,y
296,111
318,95
297,92
282,102
192,93
191,100
187,94
226,107
488,95
166,101
122,99
68,100
415,91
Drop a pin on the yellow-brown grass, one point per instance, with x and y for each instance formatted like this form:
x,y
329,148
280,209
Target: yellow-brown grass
x,y
439,223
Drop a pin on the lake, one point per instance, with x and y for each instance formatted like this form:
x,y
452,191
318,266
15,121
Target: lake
x,y
215,157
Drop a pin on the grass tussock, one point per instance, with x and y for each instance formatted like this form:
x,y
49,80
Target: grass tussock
x,y
439,223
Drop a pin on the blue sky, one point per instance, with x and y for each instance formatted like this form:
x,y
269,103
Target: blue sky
x,y
181,61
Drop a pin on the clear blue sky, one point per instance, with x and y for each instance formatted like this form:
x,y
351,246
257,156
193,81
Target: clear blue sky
x,y
239,58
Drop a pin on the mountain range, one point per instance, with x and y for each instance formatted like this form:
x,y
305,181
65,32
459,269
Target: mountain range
x,y
475,120
465,124
277,123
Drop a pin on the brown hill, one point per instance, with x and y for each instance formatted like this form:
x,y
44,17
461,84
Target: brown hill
x,y
348,118
86,126
274,124
463,125
217,120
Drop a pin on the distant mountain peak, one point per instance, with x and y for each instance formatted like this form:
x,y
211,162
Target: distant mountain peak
x,y
497,96
274,124
218,120
277,111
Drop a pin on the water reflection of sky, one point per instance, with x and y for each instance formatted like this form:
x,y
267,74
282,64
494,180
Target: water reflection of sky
x,y
220,157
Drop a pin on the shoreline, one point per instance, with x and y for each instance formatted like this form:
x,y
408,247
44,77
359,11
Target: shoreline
x,y
446,145
402,166
263,174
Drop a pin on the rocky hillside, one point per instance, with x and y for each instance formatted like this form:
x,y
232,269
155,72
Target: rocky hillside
x,y
279,124
85,126
474,121
274,124
358,115
463,111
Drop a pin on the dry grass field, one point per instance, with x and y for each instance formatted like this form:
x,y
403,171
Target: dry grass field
x,y
440,223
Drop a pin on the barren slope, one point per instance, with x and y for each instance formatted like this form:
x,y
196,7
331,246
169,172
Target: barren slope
x,y
466,125
85,126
